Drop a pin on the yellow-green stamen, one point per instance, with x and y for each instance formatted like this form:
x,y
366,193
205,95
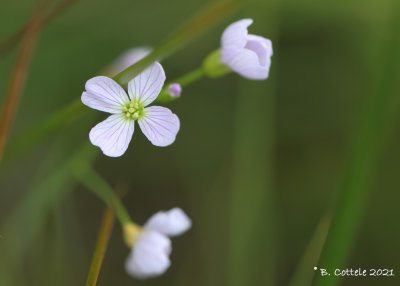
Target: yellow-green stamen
x,y
133,110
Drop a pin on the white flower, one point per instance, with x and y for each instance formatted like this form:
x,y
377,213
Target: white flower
x,y
171,223
247,55
127,59
151,248
113,135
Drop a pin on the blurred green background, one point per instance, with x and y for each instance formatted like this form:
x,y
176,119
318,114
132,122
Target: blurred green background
x,y
256,165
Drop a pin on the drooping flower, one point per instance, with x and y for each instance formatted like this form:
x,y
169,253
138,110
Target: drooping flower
x,y
113,135
127,59
151,245
174,89
246,54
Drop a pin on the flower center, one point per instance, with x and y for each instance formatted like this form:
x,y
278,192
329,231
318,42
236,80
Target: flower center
x,y
132,110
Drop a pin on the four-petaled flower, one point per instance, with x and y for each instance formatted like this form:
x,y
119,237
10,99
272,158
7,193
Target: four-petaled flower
x,y
113,135
151,245
247,55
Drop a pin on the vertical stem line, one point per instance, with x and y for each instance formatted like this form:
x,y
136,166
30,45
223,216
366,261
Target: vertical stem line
x,y
253,223
303,276
13,39
101,246
17,82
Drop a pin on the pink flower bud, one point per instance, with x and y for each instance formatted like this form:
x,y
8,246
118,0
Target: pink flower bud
x,y
175,89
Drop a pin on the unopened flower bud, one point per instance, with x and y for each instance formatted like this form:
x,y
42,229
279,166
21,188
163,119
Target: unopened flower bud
x,y
174,90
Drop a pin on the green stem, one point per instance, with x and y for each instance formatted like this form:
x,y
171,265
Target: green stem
x,y
184,80
197,25
190,77
303,276
18,78
101,246
95,183
59,119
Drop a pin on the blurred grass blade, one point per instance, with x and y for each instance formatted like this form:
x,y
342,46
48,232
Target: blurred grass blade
x,y
106,228
57,120
374,126
86,175
197,25
18,76
13,39
26,222
67,115
305,273
253,224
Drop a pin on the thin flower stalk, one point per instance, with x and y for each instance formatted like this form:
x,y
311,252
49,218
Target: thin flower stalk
x,y
88,177
101,246
18,78
13,39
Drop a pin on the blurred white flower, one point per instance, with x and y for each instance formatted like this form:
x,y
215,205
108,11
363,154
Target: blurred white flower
x,y
246,54
151,247
127,59
113,135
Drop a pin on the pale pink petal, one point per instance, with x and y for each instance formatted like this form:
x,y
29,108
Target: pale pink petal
x,y
262,47
235,35
146,86
103,93
159,125
172,223
247,64
112,135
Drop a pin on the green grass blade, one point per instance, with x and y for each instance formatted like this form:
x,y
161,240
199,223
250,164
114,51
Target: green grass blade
x,y
55,121
27,220
253,225
374,126
304,273
196,26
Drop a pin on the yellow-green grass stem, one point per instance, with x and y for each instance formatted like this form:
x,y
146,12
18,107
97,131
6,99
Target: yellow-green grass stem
x,y
101,246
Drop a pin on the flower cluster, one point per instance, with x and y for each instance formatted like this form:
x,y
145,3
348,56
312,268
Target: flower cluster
x,y
246,54
243,53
